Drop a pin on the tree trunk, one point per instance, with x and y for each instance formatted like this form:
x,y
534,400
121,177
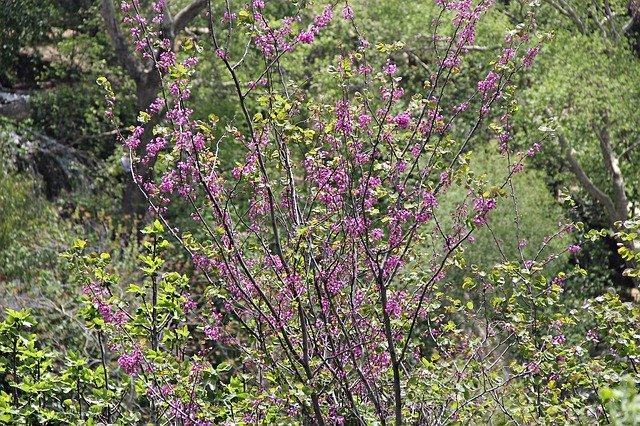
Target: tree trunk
x,y
134,203
148,83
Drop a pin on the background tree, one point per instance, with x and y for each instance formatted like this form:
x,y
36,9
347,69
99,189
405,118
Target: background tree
x,y
143,70
583,91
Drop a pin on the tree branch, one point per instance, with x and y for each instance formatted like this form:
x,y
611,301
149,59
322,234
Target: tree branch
x,y
120,44
611,161
187,14
630,148
566,10
586,182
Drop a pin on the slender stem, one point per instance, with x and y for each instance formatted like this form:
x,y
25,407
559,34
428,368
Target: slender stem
x,y
104,371
14,362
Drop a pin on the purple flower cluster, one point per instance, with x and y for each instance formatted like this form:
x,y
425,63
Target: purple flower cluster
x,y
306,37
490,82
389,68
130,362
343,117
482,206
403,119
347,12
535,148
528,59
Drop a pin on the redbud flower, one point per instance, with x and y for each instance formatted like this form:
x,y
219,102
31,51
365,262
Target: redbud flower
x,y
227,17
130,363
157,6
376,234
347,12
324,18
389,68
489,83
403,119
528,59
364,120
306,37
482,206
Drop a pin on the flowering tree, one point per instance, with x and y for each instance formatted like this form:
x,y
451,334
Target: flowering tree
x,y
325,248
142,69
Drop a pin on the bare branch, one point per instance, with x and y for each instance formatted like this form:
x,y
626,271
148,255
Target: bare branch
x,y
611,161
187,14
626,28
586,182
630,148
566,10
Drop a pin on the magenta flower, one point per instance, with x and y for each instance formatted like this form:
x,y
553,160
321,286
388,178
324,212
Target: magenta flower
x,y
324,18
130,363
389,68
483,206
347,12
344,117
403,119
306,37
364,120
490,82
528,59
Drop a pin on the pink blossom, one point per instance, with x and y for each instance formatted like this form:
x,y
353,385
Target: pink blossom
x,y
188,304
130,363
157,6
344,117
528,59
376,234
364,120
324,18
482,206
490,82
389,67
306,37
347,12
403,119
212,333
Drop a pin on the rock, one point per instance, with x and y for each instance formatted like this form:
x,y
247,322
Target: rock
x,y
15,106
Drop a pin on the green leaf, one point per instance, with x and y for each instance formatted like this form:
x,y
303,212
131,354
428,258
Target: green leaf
x,y
222,367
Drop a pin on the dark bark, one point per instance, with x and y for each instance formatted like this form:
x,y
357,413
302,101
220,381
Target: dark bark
x,y
134,202
632,28
148,84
